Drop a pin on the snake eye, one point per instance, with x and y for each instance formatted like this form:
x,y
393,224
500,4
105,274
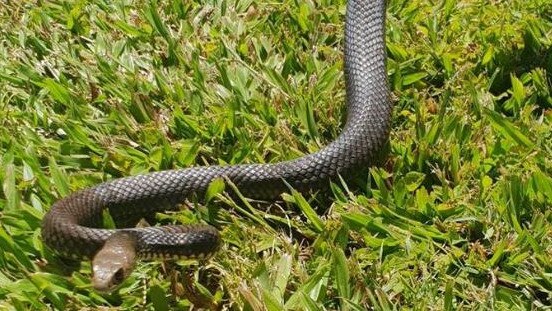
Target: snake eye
x,y
119,276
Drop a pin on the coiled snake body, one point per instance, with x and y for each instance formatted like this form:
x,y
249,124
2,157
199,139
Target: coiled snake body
x,y
70,227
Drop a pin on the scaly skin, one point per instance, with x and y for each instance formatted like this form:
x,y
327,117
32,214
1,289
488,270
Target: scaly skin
x,y
69,225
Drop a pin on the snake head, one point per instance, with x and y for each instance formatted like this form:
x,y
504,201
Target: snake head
x,y
114,262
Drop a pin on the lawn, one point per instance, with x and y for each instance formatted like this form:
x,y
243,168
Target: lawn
x,y
457,216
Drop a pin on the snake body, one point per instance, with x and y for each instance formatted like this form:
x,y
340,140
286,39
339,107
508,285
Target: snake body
x,y
71,225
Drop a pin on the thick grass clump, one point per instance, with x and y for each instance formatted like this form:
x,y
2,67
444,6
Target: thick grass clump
x,y
458,216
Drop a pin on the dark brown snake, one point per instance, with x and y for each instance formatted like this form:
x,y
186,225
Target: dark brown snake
x,y
71,225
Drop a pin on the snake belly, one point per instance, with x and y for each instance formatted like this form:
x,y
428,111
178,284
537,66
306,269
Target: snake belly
x,y
71,225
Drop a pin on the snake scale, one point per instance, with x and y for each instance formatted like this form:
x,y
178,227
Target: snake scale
x,y
71,225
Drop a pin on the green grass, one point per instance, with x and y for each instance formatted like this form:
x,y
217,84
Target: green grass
x,y
458,217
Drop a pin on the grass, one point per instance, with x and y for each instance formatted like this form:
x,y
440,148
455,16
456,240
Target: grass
x,y
458,217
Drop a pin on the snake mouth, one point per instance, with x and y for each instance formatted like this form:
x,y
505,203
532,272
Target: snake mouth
x,y
108,282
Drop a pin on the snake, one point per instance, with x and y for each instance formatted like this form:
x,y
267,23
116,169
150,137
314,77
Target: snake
x,y
73,225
